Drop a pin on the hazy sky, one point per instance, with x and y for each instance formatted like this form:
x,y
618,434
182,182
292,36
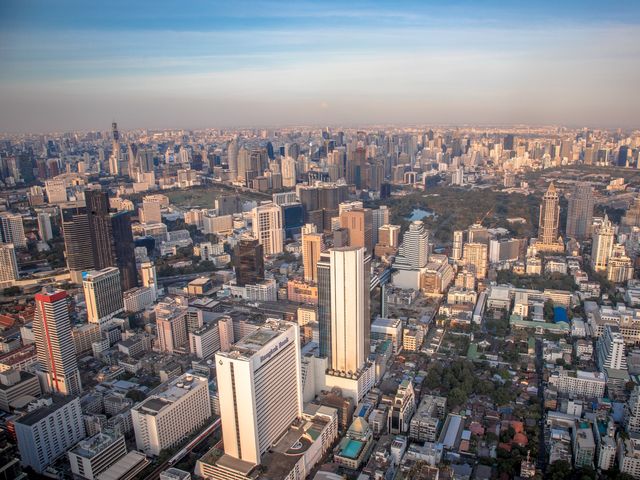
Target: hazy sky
x,y
82,64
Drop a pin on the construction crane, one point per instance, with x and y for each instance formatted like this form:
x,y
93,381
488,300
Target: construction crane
x,y
484,217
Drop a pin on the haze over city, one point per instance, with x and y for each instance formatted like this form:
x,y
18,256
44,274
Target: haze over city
x,y
211,64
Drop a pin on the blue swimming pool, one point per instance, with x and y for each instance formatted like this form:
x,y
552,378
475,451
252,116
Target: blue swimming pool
x,y
352,449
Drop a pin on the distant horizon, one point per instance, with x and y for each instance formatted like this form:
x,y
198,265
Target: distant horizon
x,y
274,62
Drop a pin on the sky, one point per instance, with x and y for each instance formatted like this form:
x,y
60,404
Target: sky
x,y
78,65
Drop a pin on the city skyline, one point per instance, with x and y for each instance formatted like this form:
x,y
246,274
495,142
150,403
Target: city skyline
x,y
272,63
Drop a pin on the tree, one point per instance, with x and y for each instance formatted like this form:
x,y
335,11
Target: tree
x,y
548,309
559,470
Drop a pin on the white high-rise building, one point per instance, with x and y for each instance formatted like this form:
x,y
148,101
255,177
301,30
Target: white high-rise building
x,y
12,229
458,242
148,274
171,326
610,349
260,390
8,265
94,455
602,245
350,322
103,294
380,218
44,226
174,411
54,343
414,251
267,228
48,431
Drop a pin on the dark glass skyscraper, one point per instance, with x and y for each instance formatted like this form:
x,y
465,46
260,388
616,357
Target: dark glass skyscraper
x,y
324,304
97,203
124,249
248,261
77,241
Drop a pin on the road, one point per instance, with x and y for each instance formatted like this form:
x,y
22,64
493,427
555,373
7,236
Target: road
x,y
542,449
186,276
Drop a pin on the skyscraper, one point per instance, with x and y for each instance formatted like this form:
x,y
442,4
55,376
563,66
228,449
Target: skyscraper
x,y
97,203
260,390
12,229
124,249
77,241
103,294
580,213
414,251
312,246
476,254
232,159
44,226
458,242
248,262
114,159
350,322
8,265
359,223
549,221
171,325
602,245
148,275
54,343
267,228
323,272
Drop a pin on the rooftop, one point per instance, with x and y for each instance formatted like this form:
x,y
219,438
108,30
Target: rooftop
x,y
169,392
91,446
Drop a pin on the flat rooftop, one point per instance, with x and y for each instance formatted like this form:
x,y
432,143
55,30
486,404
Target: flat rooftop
x,y
91,446
169,393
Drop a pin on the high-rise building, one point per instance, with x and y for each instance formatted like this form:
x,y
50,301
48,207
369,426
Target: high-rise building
x,y
350,322
232,159
148,275
8,265
458,242
580,212
610,352
619,266
414,251
97,204
54,343
359,223
312,246
77,241
323,272
151,211
103,294
171,326
602,245
248,262
44,226
12,229
476,254
260,390
267,228
124,249
114,159
48,432
174,411
549,221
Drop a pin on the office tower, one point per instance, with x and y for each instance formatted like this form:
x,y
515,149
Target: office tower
x,y
389,235
619,266
359,223
97,204
92,456
580,212
124,249
54,343
380,217
312,246
44,226
232,159
148,275
548,240
260,390
458,242
8,265
172,413
12,230
323,272
103,294
476,254
248,262
171,326
114,159
321,203
478,234
289,173
151,212
267,228
48,432
602,245
292,218
509,142
77,241
350,322
414,251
